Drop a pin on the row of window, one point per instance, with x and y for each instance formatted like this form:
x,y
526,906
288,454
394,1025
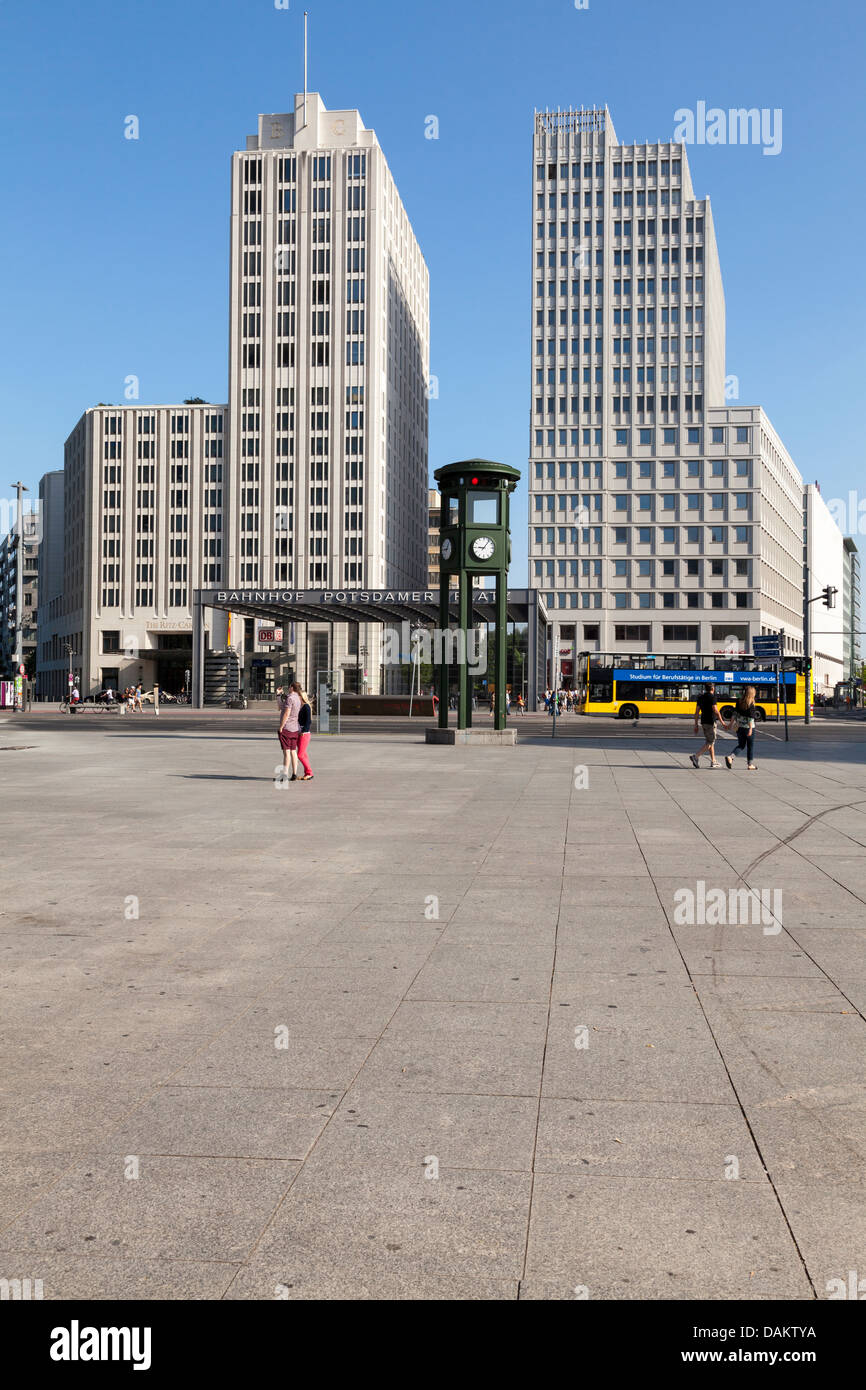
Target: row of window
x,y
647,469
649,198
621,378
645,314
621,405
693,434
646,168
644,535
558,599
642,569
621,346
626,504
147,425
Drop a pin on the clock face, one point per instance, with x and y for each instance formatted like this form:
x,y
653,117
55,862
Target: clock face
x,y
445,549
483,548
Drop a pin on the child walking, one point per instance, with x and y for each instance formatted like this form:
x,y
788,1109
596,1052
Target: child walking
x,y
744,719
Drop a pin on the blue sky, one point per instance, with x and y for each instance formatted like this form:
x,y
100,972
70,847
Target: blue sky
x,y
115,252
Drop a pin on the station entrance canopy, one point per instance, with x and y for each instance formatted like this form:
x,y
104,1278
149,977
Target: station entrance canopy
x,y
391,606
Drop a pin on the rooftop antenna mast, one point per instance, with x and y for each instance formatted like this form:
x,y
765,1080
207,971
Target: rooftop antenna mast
x,y
306,51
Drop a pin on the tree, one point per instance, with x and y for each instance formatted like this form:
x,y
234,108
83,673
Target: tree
x,y
195,400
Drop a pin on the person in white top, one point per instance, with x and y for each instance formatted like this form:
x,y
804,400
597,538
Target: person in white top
x,y
289,731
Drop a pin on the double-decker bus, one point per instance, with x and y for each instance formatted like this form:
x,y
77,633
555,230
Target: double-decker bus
x,y
629,686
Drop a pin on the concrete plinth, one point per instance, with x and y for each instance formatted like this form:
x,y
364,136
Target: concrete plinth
x,y
497,737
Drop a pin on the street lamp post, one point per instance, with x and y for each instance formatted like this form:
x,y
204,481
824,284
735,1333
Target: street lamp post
x,y
71,654
827,596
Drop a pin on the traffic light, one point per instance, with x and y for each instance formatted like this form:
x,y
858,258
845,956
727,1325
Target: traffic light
x,y
830,596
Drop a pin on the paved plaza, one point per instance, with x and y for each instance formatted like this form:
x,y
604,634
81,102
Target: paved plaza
x,y
441,1024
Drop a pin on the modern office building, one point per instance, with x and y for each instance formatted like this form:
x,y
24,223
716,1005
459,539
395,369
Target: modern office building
x,y
8,596
852,655
823,565
328,372
433,525
49,685
434,503
143,512
312,476
660,516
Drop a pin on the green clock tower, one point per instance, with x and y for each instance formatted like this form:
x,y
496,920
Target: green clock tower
x,y
474,540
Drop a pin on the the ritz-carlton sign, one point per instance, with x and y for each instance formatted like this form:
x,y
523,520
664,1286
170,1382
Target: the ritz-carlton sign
x,y
327,598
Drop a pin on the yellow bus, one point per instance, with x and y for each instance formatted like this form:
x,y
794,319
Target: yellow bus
x,y
629,686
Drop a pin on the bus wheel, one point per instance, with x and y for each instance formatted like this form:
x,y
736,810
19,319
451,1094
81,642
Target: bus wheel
x,y
629,712
727,711
760,715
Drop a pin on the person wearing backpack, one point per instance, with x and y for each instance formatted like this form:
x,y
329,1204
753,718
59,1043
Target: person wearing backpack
x,y
305,729
744,720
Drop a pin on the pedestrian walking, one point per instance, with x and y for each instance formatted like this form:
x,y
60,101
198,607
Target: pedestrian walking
x,y
521,705
305,730
136,704
289,732
707,714
744,720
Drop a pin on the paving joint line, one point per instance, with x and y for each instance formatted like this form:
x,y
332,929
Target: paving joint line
x,y
723,1061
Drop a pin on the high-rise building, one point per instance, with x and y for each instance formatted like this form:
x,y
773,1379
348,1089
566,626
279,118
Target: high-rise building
x,y
9,548
823,566
434,513
50,686
433,528
328,365
853,660
313,476
661,518
143,518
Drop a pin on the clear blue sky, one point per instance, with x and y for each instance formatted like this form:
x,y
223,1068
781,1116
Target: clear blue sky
x,y
114,253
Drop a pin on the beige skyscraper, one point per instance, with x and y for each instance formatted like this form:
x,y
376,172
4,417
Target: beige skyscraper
x,y
663,515
328,366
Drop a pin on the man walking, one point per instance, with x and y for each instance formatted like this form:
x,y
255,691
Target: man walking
x,y
707,714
